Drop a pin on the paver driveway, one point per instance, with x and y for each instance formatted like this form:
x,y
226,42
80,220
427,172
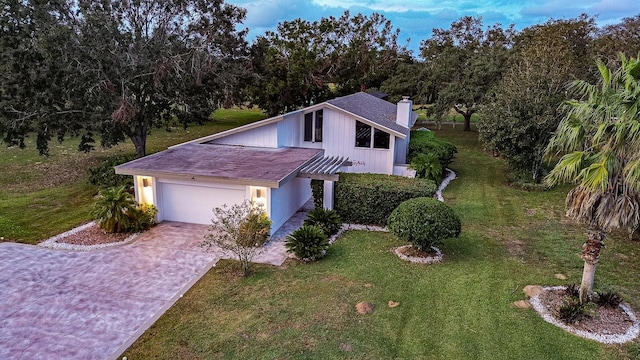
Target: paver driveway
x,y
89,305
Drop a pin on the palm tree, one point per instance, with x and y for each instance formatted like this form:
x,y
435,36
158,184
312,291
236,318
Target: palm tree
x,y
600,143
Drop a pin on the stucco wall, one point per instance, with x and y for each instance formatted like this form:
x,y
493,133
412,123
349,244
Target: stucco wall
x,y
287,199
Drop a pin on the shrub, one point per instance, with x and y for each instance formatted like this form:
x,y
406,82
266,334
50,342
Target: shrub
x,y
427,166
240,229
104,174
424,222
370,198
309,243
327,220
148,215
117,211
608,299
572,290
425,142
571,311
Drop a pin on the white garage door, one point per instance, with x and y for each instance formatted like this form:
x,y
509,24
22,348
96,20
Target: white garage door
x,y
194,204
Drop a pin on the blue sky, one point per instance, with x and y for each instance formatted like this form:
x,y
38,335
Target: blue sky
x,y
416,18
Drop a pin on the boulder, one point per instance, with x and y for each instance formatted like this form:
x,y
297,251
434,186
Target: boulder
x,y
532,290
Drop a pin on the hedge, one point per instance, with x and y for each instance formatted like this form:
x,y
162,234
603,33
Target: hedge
x,y
425,142
370,198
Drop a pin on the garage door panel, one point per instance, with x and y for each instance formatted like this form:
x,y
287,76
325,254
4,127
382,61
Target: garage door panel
x,y
194,204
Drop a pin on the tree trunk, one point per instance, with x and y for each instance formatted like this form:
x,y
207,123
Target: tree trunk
x,y
139,140
590,255
586,286
467,121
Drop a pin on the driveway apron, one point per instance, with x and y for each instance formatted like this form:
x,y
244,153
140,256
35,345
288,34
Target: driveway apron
x,y
58,304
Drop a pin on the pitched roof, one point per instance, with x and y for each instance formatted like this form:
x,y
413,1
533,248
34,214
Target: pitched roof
x,y
367,106
224,163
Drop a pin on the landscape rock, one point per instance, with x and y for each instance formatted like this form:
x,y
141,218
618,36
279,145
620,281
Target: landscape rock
x,y
364,307
532,290
522,304
561,276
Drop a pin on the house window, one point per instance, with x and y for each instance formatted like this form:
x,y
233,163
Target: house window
x,y
313,126
380,139
363,134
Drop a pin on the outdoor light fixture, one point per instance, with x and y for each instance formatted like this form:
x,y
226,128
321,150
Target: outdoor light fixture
x,y
145,182
258,193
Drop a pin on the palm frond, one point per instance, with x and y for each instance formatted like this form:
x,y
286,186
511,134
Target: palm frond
x,y
567,169
595,176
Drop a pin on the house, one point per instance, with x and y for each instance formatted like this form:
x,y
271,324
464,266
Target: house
x,y
272,161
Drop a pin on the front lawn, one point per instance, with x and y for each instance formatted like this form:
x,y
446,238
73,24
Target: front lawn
x,y
458,309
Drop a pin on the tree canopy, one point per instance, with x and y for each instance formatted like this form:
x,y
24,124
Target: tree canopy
x,y
464,62
303,62
117,67
522,111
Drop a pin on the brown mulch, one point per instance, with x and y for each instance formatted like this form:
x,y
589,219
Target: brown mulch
x,y
412,251
604,320
93,235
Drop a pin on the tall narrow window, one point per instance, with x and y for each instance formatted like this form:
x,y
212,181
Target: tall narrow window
x,y
363,134
313,126
318,126
308,127
380,139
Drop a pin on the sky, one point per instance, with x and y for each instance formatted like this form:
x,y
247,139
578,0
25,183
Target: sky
x,y
417,18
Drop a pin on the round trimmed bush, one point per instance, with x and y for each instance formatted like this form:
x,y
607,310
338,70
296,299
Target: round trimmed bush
x,y
309,243
424,222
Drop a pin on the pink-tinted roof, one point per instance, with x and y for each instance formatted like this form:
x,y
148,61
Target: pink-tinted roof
x,y
223,163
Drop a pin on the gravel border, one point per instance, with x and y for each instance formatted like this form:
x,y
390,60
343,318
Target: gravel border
x,y
52,242
426,260
445,182
631,333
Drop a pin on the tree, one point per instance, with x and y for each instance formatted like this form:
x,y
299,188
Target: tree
x,y
366,51
292,66
465,62
240,229
148,62
296,64
116,67
522,111
618,38
36,78
600,143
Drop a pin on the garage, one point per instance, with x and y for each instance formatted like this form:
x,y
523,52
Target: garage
x,y
193,203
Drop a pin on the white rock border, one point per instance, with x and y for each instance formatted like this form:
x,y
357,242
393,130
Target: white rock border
x,y
445,182
631,333
427,260
52,242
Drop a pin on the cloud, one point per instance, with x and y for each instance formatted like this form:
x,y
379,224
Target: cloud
x,y
416,19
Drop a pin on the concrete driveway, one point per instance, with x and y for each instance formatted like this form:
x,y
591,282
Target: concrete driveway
x,y
92,305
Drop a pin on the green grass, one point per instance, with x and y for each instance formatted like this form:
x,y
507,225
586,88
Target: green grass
x,y
458,309
44,196
452,116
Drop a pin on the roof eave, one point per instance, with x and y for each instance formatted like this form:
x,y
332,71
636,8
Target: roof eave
x,y
367,121
200,178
